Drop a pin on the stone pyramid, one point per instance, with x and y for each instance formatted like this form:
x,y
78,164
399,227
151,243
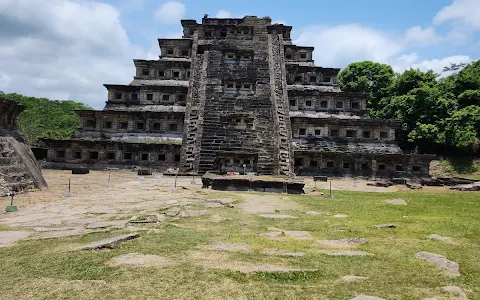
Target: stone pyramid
x,y
19,170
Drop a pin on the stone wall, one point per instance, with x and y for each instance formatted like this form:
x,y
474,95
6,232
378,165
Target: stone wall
x,y
19,170
108,153
344,128
97,123
339,164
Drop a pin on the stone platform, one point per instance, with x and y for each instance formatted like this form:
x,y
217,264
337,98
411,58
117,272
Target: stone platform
x,y
268,184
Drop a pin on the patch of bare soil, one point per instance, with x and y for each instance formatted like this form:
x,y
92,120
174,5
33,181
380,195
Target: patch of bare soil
x,y
266,204
139,260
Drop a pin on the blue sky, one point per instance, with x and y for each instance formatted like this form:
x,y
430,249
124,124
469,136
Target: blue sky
x,y
67,49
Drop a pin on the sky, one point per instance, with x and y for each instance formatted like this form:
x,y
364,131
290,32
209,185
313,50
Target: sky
x,y
67,49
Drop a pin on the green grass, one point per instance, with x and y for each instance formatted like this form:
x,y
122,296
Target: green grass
x,y
49,270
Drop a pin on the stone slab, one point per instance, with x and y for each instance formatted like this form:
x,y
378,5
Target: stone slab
x,y
59,234
282,253
110,242
139,260
229,247
365,297
8,238
450,268
342,243
192,213
445,239
107,224
396,202
347,253
456,291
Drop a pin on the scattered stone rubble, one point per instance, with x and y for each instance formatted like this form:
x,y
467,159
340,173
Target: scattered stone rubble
x,y
449,267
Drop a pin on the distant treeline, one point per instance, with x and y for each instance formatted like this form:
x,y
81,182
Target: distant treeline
x,y
438,115
44,118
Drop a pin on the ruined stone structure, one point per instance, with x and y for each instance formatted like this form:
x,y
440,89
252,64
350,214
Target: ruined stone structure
x,y
236,95
19,170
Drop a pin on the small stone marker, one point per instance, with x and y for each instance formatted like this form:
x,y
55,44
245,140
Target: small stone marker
x,y
396,202
451,268
339,216
110,242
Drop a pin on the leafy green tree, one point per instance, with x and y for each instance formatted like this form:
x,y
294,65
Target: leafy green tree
x,y
468,78
463,128
411,80
44,118
469,97
369,78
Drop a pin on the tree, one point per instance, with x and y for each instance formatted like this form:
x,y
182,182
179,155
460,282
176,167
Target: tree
x,y
412,79
454,67
463,128
44,118
371,79
467,79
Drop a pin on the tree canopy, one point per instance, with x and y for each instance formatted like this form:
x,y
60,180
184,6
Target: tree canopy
x,y
437,114
374,80
44,118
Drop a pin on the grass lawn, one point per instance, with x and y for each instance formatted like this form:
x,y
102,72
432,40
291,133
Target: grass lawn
x,y
50,269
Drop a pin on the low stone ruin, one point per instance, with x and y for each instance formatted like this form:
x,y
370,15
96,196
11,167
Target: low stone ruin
x,y
19,170
260,184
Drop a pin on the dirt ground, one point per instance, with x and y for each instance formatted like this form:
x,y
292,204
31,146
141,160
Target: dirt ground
x,y
127,186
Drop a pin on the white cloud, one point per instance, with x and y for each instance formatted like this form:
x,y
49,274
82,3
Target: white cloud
x,y
4,80
437,65
170,12
340,45
418,36
403,62
64,49
223,14
463,12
